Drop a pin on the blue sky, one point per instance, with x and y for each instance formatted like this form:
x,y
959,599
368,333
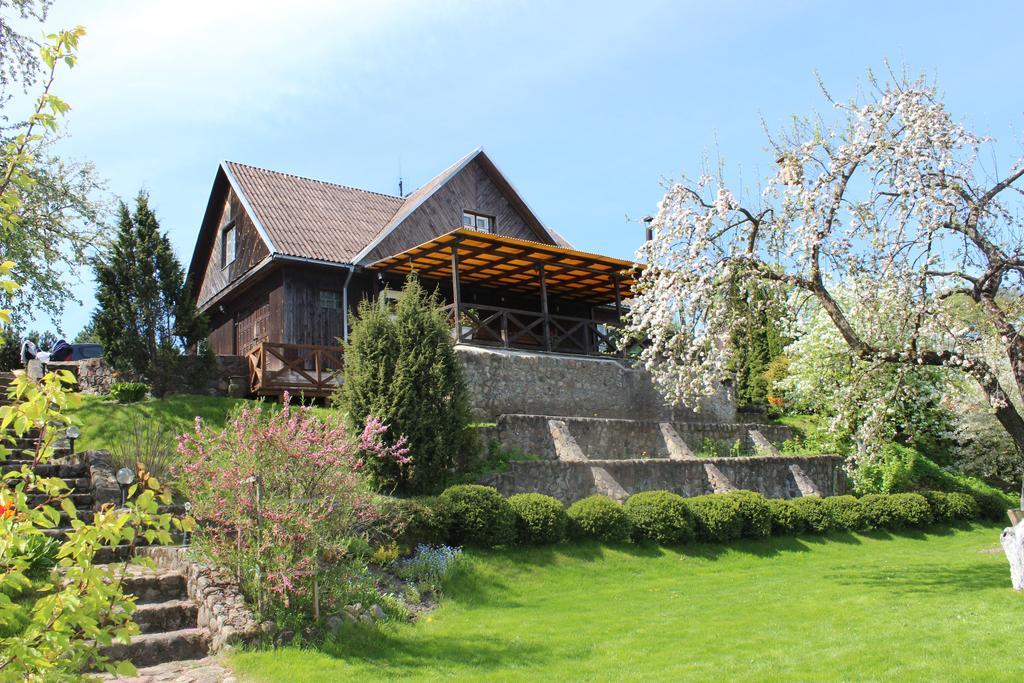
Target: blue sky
x,y
586,106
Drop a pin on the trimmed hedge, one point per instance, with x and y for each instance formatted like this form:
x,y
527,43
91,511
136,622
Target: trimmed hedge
x,y
477,515
812,515
480,516
755,515
540,519
846,513
896,511
718,517
659,517
600,518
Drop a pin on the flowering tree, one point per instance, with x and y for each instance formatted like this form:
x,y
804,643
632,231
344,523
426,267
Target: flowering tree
x,y
889,200
280,499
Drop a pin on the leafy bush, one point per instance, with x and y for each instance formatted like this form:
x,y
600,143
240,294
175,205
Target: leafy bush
x,y
540,519
400,366
478,515
660,517
600,518
129,392
411,521
895,511
845,513
718,517
961,506
429,565
812,514
313,511
785,520
938,502
755,513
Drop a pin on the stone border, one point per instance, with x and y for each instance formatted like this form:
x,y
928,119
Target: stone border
x,y
222,609
101,470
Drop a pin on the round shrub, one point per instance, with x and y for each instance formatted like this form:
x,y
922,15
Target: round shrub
x,y
812,514
660,517
717,517
961,506
600,518
846,513
754,513
784,518
477,515
991,506
896,511
540,519
938,503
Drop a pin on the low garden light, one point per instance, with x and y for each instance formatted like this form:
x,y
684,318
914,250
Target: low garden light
x,y
125,478
73,433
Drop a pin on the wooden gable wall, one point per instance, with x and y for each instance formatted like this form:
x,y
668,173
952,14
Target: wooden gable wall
x,y
250,250
472,189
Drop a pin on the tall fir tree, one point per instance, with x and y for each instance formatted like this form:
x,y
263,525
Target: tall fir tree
x,y
401,367
146,318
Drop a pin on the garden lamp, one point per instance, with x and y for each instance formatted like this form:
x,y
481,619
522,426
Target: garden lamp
x,y
73,433
647,220
188,511
125,478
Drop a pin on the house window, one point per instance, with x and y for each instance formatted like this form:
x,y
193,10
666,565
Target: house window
x,y
227,245
476,221
329,299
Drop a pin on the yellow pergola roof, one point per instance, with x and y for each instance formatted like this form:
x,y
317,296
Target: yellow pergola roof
x,y
514,264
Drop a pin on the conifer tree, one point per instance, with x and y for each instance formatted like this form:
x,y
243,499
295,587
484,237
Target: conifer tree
x,y
145,318
403,370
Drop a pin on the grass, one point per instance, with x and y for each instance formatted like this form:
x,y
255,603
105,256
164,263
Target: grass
x,y
103,422
917,606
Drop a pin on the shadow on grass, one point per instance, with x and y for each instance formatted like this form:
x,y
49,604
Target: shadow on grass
x,y
927,580
397,651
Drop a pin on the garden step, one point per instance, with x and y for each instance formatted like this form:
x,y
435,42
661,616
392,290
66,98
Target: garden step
x,y
107,554
64,470
79,500
154,587
171,615
81,484
148,649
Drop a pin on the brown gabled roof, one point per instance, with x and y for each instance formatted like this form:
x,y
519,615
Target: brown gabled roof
x,y
312,218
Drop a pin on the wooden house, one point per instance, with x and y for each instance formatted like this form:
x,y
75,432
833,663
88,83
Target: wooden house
x,y
282,261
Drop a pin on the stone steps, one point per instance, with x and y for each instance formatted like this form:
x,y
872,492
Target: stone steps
x,y
170,615
81,501
64,470
149,649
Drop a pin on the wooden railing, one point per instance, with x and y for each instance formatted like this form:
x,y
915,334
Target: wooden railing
x,y
300,369
530,330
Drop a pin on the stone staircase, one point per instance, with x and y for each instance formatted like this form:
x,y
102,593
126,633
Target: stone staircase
x,y
165,614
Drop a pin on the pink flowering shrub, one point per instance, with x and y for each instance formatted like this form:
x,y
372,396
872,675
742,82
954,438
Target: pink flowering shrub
x,y
279,498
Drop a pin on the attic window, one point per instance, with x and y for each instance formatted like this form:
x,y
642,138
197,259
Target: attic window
x,y
227,245
476,221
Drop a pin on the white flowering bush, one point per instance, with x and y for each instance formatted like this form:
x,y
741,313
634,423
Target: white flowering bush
x,y
887,199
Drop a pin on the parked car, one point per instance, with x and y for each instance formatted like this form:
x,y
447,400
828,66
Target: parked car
x,y
83,351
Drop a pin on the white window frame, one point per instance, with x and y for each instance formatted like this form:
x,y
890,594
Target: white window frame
x,y
227,256
473,220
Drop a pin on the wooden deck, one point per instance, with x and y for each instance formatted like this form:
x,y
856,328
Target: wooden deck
x,y
300,369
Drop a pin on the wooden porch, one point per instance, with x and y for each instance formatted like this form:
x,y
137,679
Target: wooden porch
x,y
595,284
300,369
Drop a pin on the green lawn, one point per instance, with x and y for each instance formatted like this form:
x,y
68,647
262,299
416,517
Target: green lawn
x,y
103,422
917,606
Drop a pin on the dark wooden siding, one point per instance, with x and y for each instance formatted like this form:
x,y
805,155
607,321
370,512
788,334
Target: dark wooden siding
x,y
250,250
305,320
247,316
472,189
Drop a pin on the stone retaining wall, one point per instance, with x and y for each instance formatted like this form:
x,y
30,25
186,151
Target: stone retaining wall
x,y
613,439
516,382
771,476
